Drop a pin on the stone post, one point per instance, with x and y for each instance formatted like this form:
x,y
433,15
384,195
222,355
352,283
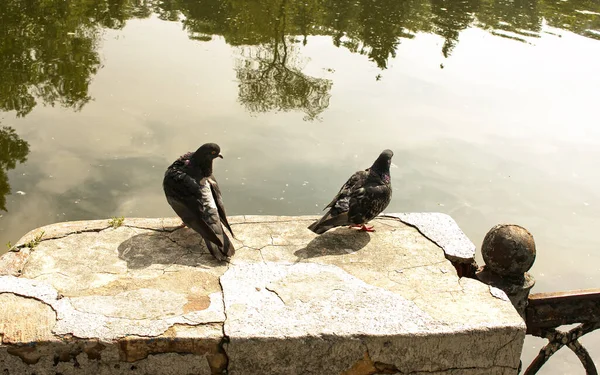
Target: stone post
x,y
509,252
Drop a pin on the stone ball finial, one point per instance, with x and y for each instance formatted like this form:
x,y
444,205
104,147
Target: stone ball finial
x,y
508,250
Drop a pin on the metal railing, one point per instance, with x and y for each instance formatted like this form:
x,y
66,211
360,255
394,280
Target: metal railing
x,y
546,312
509,252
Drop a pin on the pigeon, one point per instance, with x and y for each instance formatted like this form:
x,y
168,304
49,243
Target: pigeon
x,y
364,196
193,193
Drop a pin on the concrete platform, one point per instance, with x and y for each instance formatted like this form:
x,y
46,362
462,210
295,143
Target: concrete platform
x,y
147,298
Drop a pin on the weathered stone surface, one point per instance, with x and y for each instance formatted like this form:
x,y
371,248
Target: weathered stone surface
x,y
81,363
146,297
12,262
24,320
98,317
443,230
267,300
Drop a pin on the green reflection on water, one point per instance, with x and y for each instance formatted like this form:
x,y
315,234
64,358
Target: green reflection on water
x,y
48,52
12,150
49,49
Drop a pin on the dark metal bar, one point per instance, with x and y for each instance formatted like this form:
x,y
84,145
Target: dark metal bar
x,y
559,339
584,357
545,353
548,310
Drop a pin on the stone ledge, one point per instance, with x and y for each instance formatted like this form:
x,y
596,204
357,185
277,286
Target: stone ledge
x,y
146,297
443,231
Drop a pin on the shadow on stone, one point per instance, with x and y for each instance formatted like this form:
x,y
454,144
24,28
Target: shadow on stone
x,y
340,241
183,247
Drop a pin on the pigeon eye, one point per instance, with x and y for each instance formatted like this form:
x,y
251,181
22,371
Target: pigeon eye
x,y
213,152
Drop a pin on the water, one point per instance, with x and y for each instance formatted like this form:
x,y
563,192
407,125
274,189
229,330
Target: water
x,y
491,108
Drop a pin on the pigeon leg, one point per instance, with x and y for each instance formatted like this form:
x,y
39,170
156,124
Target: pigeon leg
x,y
362,227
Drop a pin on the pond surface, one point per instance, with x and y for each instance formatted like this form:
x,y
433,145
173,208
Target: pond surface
x,y
491,108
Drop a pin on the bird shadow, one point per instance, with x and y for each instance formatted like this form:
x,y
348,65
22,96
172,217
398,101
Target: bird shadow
x,y
341,241
182,246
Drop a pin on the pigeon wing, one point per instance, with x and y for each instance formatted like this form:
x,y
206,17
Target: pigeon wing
x,y
189,201
338,208
369,201
354,183
216,192
212,218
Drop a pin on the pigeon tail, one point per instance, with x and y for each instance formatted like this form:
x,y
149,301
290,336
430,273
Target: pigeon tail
x,y
327,222
228,248
221,253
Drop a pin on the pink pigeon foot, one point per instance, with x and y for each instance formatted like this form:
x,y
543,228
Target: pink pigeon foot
x,y
363,228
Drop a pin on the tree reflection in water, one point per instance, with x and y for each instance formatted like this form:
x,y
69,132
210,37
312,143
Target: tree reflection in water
x,y
271,76
271,79
49,49
12,150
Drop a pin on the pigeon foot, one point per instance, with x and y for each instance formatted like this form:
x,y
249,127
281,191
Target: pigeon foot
x,y
363,228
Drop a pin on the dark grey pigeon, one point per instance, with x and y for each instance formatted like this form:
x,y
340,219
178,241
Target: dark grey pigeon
x,y
194,194
364,196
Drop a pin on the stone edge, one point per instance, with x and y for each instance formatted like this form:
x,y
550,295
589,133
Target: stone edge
x,y
456,245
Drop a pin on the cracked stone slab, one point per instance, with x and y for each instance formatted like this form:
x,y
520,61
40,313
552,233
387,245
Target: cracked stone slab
x,y
147,297
443,230
98,317
337,318
267,300
95,298
24,320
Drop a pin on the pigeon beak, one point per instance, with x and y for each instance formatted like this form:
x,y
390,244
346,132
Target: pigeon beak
x,y
220,156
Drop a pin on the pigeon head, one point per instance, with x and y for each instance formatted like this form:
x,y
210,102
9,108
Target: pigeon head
x,y
208,151
383,162
204,156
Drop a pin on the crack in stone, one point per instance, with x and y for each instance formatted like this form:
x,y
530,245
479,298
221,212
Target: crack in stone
x,y
254,248
176,261
92,272
386,218
51,273
376,367
415,227
515,338
186,249
17,248
194,323
136,319
400,271
262,256
163,229
37,299
275,292
454,260
176,243
225,339
420,266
